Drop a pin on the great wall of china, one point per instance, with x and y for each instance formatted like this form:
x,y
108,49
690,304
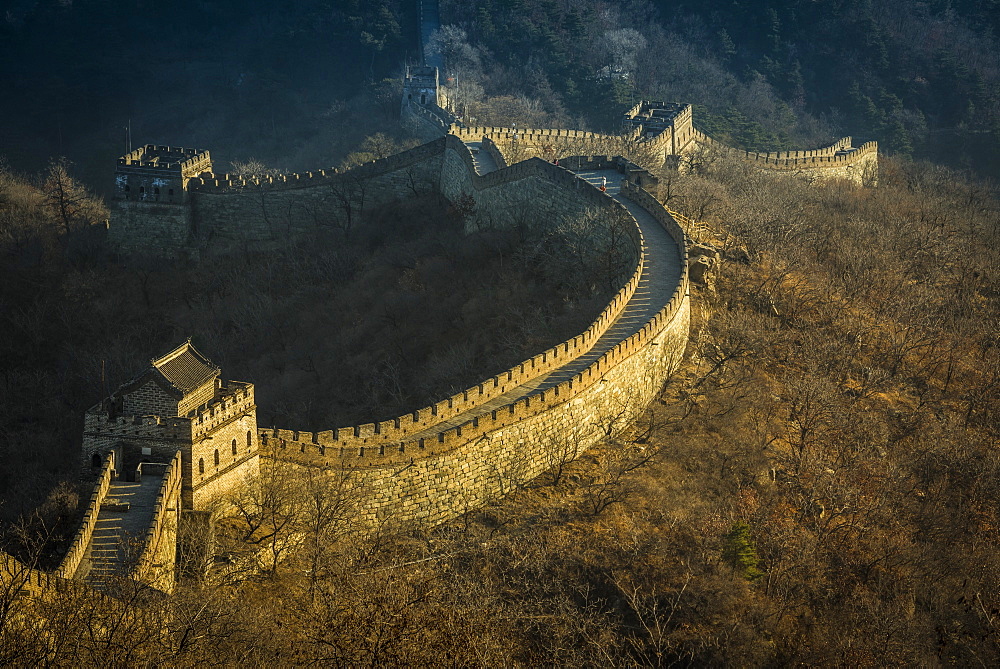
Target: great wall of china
x,y
177,439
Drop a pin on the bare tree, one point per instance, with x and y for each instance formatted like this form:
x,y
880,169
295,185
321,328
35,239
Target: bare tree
x,y
69,201
257,175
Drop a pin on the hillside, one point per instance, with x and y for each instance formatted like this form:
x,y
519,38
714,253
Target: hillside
x,y
817,485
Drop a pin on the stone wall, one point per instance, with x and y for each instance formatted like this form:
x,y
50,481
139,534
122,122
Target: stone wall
x,y
232,471
840,160
201,395
150,399
231,207
517,144
529,191
19,579
155,229
78,549
228,420
213,493
157,561
490,463
456,469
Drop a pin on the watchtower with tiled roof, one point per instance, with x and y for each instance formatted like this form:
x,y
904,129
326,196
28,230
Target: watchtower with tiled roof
x,y
173,385
179,403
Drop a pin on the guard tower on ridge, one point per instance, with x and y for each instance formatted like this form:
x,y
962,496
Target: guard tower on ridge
x,y
179,403
150,212
421,85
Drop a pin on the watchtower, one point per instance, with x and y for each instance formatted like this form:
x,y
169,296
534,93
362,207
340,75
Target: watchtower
x,y
421,85
179,403
667,124
150,212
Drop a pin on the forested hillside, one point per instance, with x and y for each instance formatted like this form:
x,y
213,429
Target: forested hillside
x,y
921,78
299,85
294,85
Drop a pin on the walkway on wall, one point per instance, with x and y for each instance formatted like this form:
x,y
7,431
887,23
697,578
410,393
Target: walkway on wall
x,y
660,277
430,20
481,157
121,528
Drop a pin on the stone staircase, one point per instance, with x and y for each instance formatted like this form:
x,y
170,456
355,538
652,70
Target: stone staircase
x,y
125,518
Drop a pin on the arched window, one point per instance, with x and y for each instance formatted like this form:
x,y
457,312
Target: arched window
x,y
156,193
95,460
249,440
201,465
216,457
234,447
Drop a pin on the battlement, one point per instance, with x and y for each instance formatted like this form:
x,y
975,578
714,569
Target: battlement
x,y
97,419
210,182
168,160
412,436
421,75
156,560
840,154
20,580
360,448
236,183
650,118
476,132
233,400
77,550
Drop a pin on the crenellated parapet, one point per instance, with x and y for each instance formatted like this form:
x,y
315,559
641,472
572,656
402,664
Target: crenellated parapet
x,y
156,562
20,583
234,400
103,431
363,449
411,436
158,174
167,160
236,184
840,160
78,549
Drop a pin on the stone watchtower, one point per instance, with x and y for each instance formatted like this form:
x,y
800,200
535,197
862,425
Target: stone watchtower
x,y
151,212
180,403
668,125
421,86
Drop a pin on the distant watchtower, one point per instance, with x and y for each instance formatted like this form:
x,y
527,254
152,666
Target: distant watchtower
x,y
421,86
150,213
179,403
667,124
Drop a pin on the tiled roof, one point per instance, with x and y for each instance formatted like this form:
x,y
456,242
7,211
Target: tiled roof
x,y
185,368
